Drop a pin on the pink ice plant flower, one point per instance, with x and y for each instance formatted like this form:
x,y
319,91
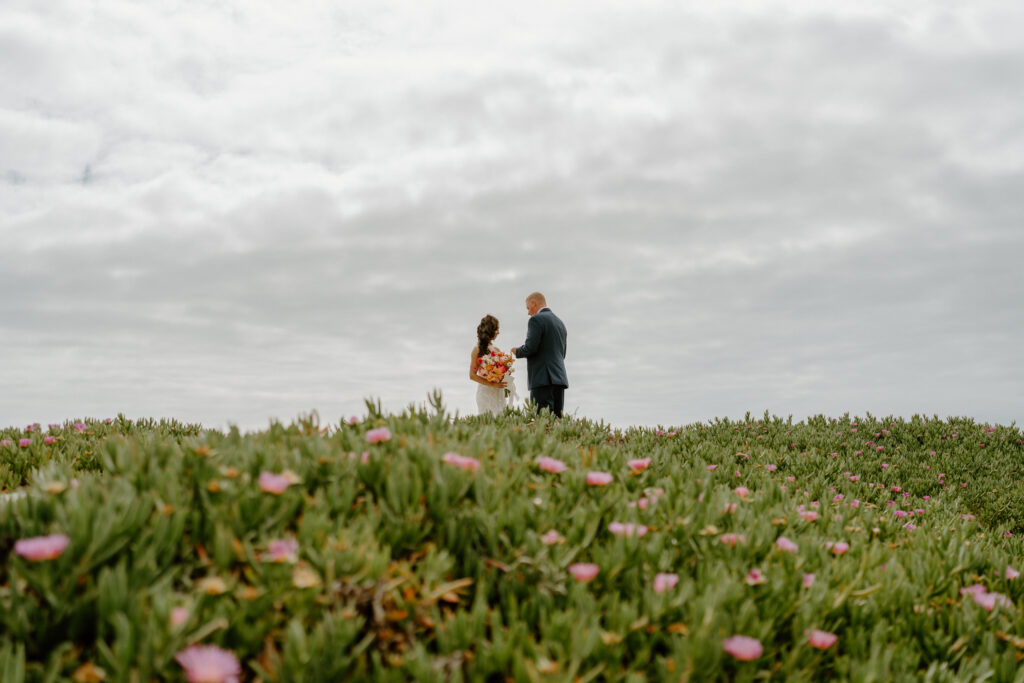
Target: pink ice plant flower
x,y
639,464
599,478
584,571
786,545
209,664
553,465
273,483
5,442
990,600
742,491
552,537
179,615
378,435
822,640
1011,573
664,582
755,577
732,539
282,550
771,468
463,461
808,515
711,468
743,648
49,439
808,580
837,547
627,529
39,548
24,443
79,427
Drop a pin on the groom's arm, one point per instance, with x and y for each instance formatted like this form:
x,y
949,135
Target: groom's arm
x,y
534,334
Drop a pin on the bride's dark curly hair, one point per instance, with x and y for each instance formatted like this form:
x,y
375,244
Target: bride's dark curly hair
x,y
485,333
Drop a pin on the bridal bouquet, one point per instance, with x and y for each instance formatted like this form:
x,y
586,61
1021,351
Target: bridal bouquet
x,y
495,366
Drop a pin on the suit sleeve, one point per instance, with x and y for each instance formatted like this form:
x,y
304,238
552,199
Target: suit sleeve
x,y
534,334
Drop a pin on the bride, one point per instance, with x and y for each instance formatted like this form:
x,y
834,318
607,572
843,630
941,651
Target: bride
x,y
490,396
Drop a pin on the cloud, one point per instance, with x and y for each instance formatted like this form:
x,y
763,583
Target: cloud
x,y
233,212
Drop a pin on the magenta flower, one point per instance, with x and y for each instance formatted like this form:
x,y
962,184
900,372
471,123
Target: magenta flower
x,y
79,427
378,435
711,468
990,600
743,648
664,582
786,545
742,491
822,640
791,479
900,514
855,503
599,478
24,443
209,664
732,539
808,515
808,580
627,529
855,478
885,465
5,442
49,439
552,537
179,615
639,464
40,548
354,420
909,527
273,483
553,465
1011,573
584,571
838,548
282,550
1007,534
755,577
463,461
728,508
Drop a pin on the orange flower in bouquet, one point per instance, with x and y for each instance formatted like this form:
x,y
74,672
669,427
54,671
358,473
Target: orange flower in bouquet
x,y
494,366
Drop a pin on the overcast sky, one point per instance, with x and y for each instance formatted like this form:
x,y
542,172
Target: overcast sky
x,y
236,210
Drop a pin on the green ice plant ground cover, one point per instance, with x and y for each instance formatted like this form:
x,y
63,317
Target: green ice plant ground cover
x,y
416,546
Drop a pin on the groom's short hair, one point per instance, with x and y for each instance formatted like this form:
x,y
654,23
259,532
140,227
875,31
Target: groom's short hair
x,y
538,298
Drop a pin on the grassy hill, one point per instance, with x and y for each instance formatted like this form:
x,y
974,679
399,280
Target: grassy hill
x,y
415,546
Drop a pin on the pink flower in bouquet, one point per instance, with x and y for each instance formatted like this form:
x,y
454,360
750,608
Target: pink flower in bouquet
x,y
627,529
209,664
40,548
786,545
463,461
664,582
1011,573
808,580
743,648
378,435
553,465
282,550
639,464
273,483
599,478
584,571
822,640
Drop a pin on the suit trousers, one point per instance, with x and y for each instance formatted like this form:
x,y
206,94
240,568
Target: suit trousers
x,y
551,397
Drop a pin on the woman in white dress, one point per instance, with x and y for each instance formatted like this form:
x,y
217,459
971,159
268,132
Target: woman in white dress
x,y
490,396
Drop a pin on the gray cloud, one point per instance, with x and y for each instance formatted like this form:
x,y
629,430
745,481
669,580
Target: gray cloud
x,y
231,213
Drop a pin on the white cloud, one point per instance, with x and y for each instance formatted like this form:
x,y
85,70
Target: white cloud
x,y
805,208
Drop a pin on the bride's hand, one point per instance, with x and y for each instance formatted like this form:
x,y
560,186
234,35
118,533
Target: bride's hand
x,y
499,385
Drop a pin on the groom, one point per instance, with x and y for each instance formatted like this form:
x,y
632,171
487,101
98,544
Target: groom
x,y
545,353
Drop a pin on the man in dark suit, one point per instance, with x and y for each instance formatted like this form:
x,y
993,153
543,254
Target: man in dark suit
x,y
544,352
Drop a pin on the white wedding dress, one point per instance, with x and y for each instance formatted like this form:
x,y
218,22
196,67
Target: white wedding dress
x,y
492,399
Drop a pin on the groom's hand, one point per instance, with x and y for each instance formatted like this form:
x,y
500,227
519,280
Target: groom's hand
x,y
512,351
